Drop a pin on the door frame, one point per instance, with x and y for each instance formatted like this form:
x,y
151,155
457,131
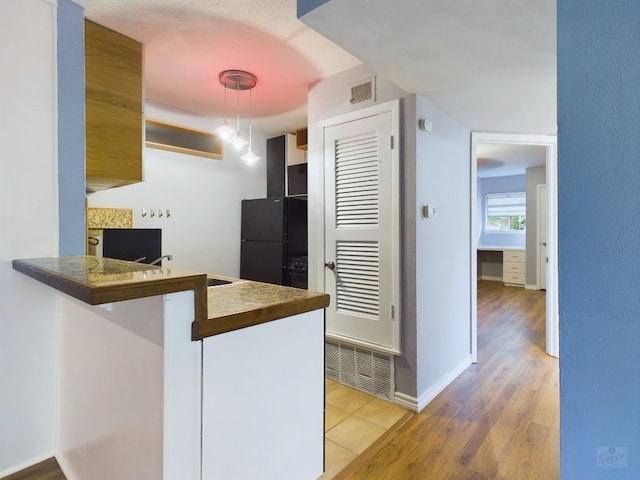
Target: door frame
x,y
550,142
541,267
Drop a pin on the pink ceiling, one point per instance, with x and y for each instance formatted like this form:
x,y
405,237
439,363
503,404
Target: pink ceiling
x,y
188,43
182,69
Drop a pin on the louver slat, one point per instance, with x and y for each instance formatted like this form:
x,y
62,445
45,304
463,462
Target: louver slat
x,y
358,278
357,174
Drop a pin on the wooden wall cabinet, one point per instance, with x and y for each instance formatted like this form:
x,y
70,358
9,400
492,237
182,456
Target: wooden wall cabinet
x,y
113,108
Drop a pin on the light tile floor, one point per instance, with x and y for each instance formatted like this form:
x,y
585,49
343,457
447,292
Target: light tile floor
x,y
353,421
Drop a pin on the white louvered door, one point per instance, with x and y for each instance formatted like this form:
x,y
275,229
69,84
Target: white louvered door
x,y
361,231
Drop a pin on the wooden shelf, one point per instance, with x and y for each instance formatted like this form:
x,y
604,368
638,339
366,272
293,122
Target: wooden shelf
x,y
174,138
301,138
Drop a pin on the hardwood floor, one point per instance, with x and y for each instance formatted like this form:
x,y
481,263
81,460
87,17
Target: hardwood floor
x,y
46,470
498,420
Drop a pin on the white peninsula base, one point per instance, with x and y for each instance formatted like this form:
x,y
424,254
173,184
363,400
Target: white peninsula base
x,y
140,401
263,399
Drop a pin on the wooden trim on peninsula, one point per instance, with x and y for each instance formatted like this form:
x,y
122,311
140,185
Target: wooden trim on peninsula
x,y
249,318
99,293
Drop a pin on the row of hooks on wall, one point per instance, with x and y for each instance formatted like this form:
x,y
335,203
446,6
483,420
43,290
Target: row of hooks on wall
x,y
152,212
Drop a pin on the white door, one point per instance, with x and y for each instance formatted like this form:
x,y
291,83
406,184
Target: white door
x,y
362,232
541,206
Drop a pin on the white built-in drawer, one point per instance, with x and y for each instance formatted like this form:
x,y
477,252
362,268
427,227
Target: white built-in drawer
x,y
514,256
513,278
514,267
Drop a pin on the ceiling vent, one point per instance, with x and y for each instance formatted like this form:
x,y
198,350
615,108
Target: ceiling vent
x,y
363,92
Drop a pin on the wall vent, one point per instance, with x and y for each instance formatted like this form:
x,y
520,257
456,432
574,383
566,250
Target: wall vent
x,y
363,92
357,367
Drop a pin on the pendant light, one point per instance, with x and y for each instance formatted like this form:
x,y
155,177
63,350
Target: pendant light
x,y
225,131
250,156
237,140
238,80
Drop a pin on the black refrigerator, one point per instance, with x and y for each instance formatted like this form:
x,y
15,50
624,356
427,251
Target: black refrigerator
x,y
273,246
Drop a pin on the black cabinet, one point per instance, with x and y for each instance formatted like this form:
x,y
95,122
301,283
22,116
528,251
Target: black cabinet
x,y
286,167
276,166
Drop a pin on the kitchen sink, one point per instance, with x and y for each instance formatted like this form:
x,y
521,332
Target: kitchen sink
x,y
216,282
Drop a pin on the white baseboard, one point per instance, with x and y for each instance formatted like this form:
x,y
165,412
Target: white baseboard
x,y
417,404
66,468
441,384
531,287
406,401
488,277
24,465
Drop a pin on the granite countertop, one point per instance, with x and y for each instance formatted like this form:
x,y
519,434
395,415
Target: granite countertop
x,y
244,303
219,309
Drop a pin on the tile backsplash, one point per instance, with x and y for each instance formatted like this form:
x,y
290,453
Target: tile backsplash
x,y
99,218
109,218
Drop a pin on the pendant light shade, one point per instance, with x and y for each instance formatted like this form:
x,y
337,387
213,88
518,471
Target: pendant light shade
x,y
250,156
225,131
237,140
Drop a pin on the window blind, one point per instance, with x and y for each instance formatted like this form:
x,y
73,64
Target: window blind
x,y
506,204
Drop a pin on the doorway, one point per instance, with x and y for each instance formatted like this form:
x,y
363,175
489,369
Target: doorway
x,y
548,142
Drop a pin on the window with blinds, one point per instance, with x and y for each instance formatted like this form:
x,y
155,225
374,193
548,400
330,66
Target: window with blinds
x,y
506,212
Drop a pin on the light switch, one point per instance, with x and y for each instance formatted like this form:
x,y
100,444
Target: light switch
x,y
429,211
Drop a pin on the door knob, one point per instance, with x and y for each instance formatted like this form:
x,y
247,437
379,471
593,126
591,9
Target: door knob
x,y
330,265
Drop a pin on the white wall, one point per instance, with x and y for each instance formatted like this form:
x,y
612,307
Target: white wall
x,y
442,250
204,196
435,254
28,228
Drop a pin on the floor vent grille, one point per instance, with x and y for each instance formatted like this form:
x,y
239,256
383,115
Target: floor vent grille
x,y
357,367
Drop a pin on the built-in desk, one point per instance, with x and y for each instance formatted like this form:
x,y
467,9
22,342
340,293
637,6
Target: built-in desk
x,y
502,264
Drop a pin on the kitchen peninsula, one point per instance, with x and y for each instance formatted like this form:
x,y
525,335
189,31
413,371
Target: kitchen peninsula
x,y
161,376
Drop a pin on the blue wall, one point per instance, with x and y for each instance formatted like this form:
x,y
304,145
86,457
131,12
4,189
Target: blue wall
x,y
305,6
599,236
71,170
